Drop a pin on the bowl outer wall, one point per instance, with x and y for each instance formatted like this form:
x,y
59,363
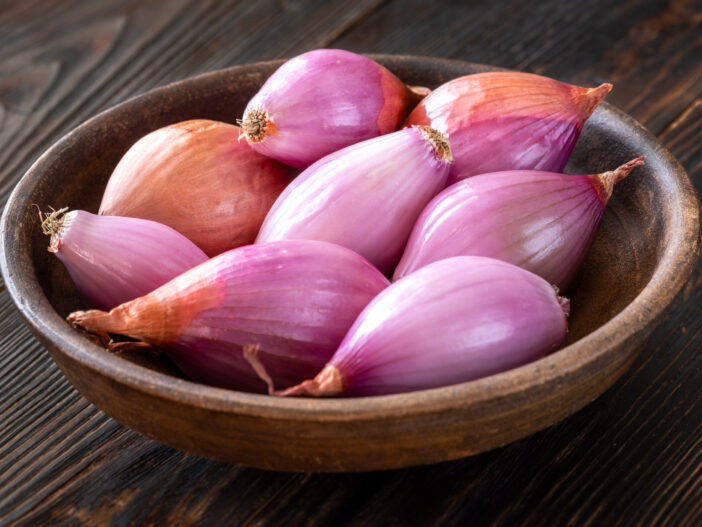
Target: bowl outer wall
x,y
364,433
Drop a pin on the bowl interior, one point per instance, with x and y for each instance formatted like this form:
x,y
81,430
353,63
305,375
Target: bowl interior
x,y
622,260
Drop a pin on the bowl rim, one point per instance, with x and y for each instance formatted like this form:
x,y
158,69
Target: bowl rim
x,y
648,306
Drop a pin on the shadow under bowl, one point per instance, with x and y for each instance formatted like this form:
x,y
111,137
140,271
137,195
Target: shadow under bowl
x,y
646,248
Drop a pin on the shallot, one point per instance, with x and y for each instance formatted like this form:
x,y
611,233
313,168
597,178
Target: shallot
x,y
541,221
508,121
322,101
112,259
452,321
365,197
291,302
196,177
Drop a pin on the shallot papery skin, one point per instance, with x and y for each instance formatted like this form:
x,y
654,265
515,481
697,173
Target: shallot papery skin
x,y
113,259
291,301
322,101
541,221
365,197
452,321
197,177
508,121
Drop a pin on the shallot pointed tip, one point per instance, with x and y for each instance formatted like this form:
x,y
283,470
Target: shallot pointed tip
x,y
593,97
610,178
92,320
256,125
627,167
96,321
327,383
120,347
76,318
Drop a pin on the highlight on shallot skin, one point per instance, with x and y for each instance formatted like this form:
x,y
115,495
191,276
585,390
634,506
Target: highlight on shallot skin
x,y
291,301
113,259
365,197
452,321
322,101
541,221
508,121
198,178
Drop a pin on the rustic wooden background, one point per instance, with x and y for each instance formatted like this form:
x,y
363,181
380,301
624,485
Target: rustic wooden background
x,y
633,457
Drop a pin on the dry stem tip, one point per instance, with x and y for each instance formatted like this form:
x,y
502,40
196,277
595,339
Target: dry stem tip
x,y
565,305
120,347
594,96
251,355
97,321
327,383
612,177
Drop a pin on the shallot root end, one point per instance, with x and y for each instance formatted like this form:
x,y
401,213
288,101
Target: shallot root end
x,y
256,124
120,347
439,143
565,305
53,224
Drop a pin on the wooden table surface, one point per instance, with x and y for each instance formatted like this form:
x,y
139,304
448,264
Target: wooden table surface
x,y
633,457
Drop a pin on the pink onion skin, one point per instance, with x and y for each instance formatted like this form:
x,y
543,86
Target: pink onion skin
x,y
197,177
322,101
541,221
365,197
113,260
508,121
294,300
452,321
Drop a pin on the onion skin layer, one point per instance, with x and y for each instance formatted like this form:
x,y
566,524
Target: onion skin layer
x,y
452,321
293,301
541,221
197,177
322,101
508,121
365,197
113,260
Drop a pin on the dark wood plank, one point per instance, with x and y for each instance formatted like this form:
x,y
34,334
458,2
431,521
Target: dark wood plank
x,y
683,136
650,51
645,467
632,457
56,448
114,51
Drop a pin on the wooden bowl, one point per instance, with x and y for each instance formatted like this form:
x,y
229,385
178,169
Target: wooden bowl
x,y
643,254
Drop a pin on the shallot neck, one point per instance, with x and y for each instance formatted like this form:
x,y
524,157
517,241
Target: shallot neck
x,y
327,383
604,183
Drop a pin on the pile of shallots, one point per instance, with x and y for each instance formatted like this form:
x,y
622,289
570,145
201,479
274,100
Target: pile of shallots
x,y
211,246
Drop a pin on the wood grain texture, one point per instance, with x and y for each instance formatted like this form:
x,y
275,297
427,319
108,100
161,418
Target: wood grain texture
x,y
633,457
